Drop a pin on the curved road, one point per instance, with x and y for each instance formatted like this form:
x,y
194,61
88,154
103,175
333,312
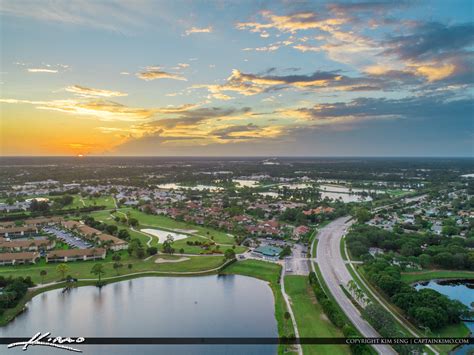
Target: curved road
x,y
335,273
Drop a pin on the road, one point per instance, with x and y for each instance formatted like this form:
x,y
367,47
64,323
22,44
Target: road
x,y
335,273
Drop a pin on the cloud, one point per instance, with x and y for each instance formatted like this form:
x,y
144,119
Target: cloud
x,y
290,23
102,109
341,45
307,48
361,109
248,84
115,16
153,73
246,132
192,30
192,117
431,40
41,70
90,92
344,8
435,51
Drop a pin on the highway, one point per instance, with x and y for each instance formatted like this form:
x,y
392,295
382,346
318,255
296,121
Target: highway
x,y
335,273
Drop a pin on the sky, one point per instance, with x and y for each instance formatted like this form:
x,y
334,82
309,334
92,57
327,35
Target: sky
x,y
236,78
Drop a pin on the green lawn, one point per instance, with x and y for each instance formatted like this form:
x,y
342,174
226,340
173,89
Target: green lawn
x,y
80,202
411,277
310,318
255,268
165,223
81,269
169,223
269,272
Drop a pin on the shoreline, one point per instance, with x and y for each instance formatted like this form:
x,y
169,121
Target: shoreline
x,y
11,313
445,279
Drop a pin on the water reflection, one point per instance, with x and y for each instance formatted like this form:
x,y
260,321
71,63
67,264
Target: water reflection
x,y
208,306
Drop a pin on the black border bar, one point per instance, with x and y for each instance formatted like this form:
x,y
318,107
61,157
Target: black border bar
x,y
252,341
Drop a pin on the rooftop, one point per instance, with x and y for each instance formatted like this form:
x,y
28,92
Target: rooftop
x,y
268,250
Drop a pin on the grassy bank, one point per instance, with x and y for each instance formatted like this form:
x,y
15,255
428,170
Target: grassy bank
x,y
82,269
269,272
310,318
411,277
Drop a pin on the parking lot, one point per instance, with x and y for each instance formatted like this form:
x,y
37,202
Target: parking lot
x,y
297,263
68,238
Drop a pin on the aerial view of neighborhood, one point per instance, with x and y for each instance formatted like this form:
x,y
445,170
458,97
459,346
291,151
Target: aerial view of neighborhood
x,y
341,247
237,177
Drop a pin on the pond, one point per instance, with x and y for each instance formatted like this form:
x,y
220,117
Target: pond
x,y
461,290
207,306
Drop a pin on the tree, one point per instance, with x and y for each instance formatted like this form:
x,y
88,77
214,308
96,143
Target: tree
x,y
229,254
62,269
117,266
168,245
98,269
133,222
140,252
43,273
124,234
285,252
111,229
362,215
152,250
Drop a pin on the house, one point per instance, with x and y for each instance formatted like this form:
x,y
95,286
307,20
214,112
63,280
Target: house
x,y
75,254
26,245
12,232
115,243
34,222
90,233
267,252
300,231
18,258
318,210
437,228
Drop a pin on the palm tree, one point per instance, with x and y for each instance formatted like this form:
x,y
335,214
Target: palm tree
x,y
98,269
62,269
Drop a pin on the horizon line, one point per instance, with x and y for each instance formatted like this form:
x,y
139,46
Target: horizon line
x,y
238,156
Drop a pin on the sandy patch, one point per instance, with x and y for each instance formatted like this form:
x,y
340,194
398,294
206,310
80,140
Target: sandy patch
x,y
162,261
162,235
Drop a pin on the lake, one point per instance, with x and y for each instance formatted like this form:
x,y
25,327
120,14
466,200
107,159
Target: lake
x,y
207,306
462,291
